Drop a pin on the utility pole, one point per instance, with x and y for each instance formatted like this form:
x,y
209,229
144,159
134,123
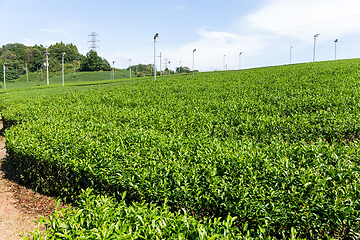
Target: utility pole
x,y
4,75
155,37
130,67
290,53
160,64
224,65
114,70
336,41
194,61
47,66
315,36
62,62
27,75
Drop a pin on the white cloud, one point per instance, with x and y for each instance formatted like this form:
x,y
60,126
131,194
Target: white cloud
x,y
179,7
212,47
304,18
51,31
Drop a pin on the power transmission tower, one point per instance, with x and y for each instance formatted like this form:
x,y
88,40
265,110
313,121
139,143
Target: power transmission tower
x,y
93,41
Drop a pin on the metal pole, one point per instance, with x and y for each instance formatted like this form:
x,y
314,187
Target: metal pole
x,y
240,60
315,36
224,65
180,67
4,76
114,70
160,65
194,61
130,67
290,53
27,75
169,68
155,37
62,61
47,67
336,40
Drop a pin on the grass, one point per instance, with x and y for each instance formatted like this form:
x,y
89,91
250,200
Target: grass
x,y
35,79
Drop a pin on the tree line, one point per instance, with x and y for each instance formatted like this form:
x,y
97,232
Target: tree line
x,y
18,56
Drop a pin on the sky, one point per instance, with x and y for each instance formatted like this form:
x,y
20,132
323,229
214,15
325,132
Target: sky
x,y
262,30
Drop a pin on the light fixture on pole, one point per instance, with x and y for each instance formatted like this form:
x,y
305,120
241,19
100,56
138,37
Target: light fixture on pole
x,y
169,68
315,36
180,67
290,53
194,61
4,75
240,60
130,66
155,37
114,70
336,41
62,62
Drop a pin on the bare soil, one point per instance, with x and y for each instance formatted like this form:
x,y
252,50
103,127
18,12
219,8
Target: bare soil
x,y
20,207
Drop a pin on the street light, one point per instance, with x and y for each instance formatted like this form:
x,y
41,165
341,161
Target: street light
x,y
169,68
180,67
194,61
336,41
62,61
4,75
224,66
155,37
315,36
290,53
240,60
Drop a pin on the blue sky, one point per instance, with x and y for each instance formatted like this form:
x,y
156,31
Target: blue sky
x,y
263,30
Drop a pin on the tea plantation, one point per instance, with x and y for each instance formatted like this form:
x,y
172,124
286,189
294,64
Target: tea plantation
x,y
262,153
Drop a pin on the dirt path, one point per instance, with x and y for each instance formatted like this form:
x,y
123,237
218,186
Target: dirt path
x,y
19,206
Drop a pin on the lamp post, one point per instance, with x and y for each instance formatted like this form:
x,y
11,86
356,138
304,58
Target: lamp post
x,y
62,62
315,36
4,75
169,68
240,60
194,61
336,41
290,53
180,67
155,37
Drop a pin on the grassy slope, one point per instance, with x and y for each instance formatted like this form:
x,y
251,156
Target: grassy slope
x,y
56,78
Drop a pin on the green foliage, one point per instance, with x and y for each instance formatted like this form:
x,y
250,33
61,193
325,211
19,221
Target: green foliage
x,y
93,62
276,148
183,70
99,217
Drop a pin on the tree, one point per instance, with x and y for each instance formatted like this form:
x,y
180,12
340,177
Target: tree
x,y
93,62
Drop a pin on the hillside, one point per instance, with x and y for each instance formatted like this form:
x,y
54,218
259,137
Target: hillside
x,y
267,153
38,79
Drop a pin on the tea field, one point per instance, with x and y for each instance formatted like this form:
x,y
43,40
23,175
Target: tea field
x,y
260,153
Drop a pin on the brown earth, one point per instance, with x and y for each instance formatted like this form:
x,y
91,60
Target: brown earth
x,y
19,206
